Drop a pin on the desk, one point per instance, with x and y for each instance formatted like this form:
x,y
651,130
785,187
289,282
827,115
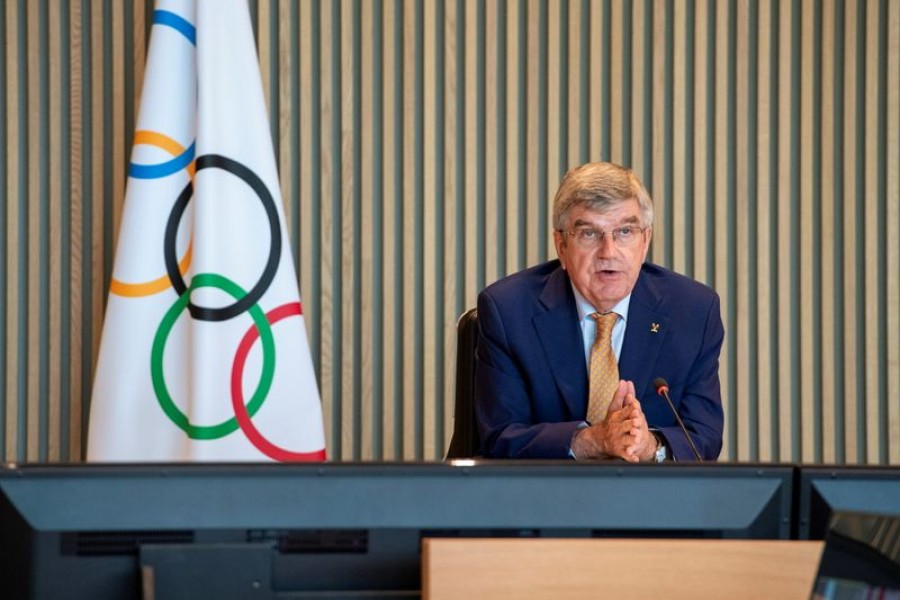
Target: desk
x,y
621,568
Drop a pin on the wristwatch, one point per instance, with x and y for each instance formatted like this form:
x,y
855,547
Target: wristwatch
x,y
661,453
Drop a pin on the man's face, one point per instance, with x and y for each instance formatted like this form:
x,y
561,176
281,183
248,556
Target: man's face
x,y
605,274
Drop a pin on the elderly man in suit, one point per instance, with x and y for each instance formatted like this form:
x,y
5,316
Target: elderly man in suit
x,y
568,350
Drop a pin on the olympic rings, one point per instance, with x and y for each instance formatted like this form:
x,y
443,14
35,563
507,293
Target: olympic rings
x,y
209,432
208,161
184,159
237,394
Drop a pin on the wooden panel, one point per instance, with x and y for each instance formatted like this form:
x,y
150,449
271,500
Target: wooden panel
x,y
328,104
32,247
491,117
596,69
346,227
782,195
554,568
391,341
766,236
741,210
702,152
367,281
719,239
76,252
786,421
679,158
826,229
873,324
410,402
536,195
893,230
428,255
572,123
447,202
851,309
13,243
54,235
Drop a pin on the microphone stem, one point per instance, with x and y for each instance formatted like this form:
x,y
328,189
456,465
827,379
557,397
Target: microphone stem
x,y
665,392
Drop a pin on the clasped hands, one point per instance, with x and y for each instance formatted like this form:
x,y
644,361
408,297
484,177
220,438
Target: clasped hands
x,y
623,433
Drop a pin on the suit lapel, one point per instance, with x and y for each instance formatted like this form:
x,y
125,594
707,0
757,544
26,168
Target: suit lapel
x,y
646,332
560,337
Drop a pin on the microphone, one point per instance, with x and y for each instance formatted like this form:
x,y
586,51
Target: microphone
x,y
662,388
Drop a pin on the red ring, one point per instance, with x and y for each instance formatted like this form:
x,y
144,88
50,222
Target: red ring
x,y
237,393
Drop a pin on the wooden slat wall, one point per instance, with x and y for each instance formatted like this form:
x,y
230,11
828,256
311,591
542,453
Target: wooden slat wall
x,y
420,144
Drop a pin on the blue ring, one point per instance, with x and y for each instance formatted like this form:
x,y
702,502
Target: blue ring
x,y
162,169
176,22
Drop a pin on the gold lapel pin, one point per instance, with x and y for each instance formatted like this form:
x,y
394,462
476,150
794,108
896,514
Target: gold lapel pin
x,y
654,327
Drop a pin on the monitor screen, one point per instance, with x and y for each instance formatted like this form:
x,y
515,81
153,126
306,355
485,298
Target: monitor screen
x,y
861,558
106,531
824,490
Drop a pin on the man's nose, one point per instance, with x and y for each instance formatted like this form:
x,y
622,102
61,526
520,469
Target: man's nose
x,y
607,245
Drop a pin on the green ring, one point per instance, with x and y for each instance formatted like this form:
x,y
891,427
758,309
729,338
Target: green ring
x,y
210,432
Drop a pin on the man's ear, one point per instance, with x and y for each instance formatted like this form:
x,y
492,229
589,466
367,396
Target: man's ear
x,y
559,240
649,234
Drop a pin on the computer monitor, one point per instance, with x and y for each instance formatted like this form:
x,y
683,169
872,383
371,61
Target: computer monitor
x,y
861,558
822,490
104,531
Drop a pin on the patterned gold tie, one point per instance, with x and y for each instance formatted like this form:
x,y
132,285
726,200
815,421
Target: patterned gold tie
x,y
604,371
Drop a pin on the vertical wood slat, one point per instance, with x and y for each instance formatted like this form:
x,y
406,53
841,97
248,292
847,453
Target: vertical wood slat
x,y
893,232
614,65
368,415
447,22
54,235
805,241
406,225
873,324
12,241
678,135
720,237
31,219
76,253
827,231
554,173
775,175
94,199
742,300
347,226
850,233
535,194
765,235
432,443
491,118
391,159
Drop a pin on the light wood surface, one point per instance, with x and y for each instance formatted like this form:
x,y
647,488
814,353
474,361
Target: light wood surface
x,y
591,568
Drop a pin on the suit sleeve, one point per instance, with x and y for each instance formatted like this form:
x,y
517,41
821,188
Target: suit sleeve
x,y
699,401
504,400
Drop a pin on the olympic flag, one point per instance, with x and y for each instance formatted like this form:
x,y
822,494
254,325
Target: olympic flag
x,y
204,354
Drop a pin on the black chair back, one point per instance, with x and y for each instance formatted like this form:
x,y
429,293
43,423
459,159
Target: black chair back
x,y
465,442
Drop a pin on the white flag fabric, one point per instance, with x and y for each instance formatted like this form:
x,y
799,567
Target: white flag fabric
x,y
204,354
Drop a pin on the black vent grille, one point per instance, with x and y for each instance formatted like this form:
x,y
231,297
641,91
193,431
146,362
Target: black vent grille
x,y
314,541
113,543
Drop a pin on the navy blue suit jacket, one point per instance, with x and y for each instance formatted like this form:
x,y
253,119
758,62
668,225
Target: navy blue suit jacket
x,y
531,382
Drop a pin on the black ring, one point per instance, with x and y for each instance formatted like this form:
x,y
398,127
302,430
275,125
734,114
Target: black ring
x,y
169,251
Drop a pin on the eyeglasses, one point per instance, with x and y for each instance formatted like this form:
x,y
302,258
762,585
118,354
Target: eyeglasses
x,y
590,238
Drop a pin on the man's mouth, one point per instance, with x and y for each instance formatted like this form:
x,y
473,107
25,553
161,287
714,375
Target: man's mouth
x,y
607,272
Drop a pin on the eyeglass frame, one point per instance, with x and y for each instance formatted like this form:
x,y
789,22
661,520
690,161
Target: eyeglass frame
x,y
574,234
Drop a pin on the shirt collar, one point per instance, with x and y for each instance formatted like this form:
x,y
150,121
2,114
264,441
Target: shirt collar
x,y
585,308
